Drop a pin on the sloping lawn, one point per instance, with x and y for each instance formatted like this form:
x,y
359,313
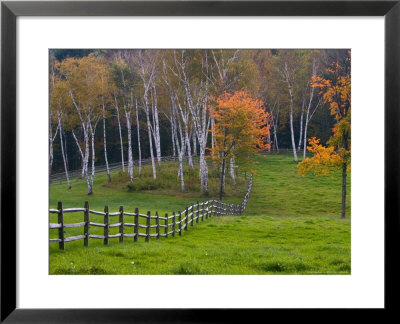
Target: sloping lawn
x,y
291,225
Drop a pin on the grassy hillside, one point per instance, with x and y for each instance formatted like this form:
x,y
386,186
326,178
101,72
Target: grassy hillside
x,y
291,225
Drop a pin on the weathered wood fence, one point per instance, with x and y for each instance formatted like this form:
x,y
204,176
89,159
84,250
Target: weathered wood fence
x,y
172,225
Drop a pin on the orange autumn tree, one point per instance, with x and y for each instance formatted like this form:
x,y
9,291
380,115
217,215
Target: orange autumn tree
x,y
336,91
240,129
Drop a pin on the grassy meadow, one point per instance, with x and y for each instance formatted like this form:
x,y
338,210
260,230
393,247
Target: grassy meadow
x,y
291,225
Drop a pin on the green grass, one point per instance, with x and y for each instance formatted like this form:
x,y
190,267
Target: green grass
x,y
291,225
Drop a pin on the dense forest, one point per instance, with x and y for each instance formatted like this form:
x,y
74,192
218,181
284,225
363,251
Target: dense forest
x,y
109,106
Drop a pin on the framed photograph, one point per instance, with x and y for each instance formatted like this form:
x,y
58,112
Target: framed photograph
x,y
162,158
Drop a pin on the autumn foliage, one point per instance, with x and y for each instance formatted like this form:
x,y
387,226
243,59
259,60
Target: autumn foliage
x,y
240,130
240,126
336,92
324,159
335,89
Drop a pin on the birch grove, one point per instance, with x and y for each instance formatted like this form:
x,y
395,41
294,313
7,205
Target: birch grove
x,y
145,62
149,103
196,92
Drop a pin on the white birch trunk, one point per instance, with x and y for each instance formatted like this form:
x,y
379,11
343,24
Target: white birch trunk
x,y
86,156
156,127
292,132
51,141
138,137
276,139
120,136
89,179
130,157
212,133
290,88
181,152
63,154
310,112
232,169
301,125
105,147
81,153
151,145
189,149
305,139
173,140
65,149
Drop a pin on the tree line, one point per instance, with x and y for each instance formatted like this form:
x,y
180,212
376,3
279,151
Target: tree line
x,y
111,106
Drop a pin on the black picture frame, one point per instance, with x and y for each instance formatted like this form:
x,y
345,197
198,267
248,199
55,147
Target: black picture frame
x,y
9,13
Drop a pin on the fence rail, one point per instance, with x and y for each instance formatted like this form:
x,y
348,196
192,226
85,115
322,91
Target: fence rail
x,y
172,224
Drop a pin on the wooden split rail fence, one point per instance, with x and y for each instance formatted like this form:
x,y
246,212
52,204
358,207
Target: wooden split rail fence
x,y
171,224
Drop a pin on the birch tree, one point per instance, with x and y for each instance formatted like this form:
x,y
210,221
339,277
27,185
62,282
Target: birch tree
x,y
124,79
106,91
53,99
59,104
52,137
288,69
311,107
145,63
196,91
179,118
83,79
335,86
274,113
116,106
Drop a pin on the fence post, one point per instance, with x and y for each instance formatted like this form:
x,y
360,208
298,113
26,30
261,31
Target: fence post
x,y
121,225
148,226
86,228
186,218
206,204
106,223
191,224
61,244
180,223
166,225
158,226
198,212
173,224
136,224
